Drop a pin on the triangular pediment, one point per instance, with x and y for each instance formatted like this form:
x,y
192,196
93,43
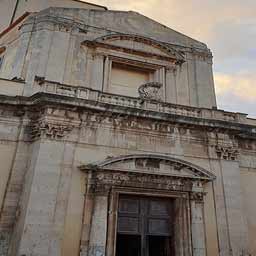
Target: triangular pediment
x,y
154,164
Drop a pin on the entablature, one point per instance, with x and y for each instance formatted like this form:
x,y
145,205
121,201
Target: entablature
x,y
146,171
152,164
161,116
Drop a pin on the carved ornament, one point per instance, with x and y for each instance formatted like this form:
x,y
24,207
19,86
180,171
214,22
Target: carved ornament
x,y
49,130
102,181
151,164
150,91
177,55
226,152
197,196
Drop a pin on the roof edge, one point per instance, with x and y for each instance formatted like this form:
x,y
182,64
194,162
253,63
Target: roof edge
x,y
84,2
14,24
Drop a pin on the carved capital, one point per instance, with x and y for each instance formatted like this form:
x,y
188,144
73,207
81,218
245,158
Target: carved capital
x,y
171,69
197,196
49,130
226,152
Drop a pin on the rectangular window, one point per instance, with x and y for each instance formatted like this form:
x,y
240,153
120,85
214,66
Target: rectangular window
x,y
126,79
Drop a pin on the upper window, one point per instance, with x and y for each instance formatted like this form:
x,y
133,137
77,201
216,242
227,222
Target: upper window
x,y
126,79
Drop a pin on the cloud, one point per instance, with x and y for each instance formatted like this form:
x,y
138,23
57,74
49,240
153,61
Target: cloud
x,y
236,92
242,86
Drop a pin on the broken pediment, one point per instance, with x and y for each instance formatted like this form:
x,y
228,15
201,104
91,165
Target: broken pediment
x,y
154,164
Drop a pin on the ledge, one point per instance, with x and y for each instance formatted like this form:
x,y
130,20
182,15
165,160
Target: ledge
x,y
137,103
11,87
82,98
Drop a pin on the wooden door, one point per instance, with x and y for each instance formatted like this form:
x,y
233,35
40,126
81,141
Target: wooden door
x,y
145,226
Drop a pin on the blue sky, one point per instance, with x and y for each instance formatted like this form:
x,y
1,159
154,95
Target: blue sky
x,y
228,27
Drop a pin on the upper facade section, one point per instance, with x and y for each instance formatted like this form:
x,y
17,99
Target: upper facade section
x,y
114,52
10,10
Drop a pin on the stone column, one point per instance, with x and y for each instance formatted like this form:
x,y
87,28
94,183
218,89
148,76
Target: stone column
x,y
98,231
231,221
170,91
197,221
107,74
112,220
97,72
236,220
87,217
220,211
39,234
182,228
46,192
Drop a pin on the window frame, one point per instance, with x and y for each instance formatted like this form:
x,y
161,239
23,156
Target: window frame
x,y
158,71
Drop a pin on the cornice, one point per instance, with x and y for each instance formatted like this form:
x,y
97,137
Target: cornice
x,y
94,44
81,99
57,23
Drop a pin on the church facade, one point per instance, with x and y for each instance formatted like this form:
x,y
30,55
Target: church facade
x,y
111,142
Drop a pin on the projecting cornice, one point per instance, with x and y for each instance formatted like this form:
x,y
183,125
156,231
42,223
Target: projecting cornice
x,y
81,99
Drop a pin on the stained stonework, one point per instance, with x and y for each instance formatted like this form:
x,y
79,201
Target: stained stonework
x,y
72,143
4,243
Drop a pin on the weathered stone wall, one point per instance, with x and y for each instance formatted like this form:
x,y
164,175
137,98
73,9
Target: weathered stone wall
x,y
50,45
45,137
7,8
4,243
53,194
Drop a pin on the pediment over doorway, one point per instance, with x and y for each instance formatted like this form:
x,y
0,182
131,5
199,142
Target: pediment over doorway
x,y
152,164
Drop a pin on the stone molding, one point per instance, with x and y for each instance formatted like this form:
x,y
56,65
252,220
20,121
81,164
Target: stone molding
x,y
136,162
185,177
165,48
86,93
69,25
101,181
95,44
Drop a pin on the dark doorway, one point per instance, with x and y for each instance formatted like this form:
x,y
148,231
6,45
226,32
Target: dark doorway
x,y
159,245
145,226
128,245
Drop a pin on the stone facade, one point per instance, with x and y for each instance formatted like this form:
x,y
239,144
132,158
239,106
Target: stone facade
x,y
99,104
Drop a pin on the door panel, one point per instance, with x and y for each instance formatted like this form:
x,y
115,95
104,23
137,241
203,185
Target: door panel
x,y
158,227
148,219
128,225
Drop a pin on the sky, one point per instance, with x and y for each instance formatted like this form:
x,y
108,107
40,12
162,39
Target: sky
x,y
228,27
